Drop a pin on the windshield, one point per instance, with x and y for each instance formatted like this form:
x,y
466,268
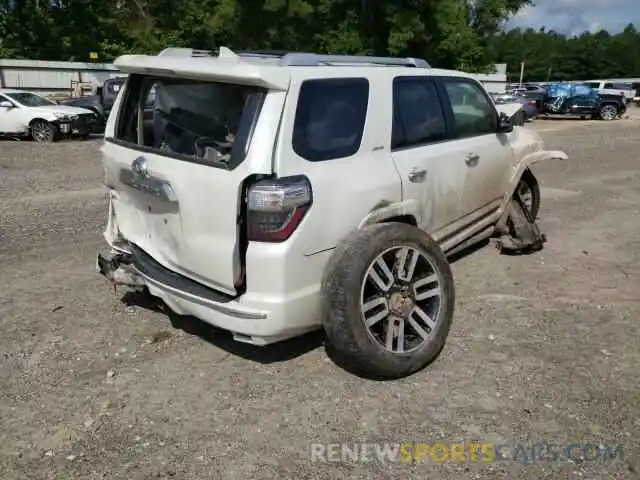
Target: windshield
x,y
29,99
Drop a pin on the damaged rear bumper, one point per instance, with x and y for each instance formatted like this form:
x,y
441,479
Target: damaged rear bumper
x,y
260,322
118,269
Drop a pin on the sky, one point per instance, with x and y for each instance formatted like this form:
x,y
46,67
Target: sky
x,y
573,17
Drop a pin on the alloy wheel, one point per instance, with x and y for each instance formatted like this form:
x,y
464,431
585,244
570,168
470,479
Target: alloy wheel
x,y
400,299
41,132
608,112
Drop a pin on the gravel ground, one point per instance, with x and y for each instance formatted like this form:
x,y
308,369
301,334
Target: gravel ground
x,y
544,348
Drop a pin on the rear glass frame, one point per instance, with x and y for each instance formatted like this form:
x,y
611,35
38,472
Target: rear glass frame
x,y
127,118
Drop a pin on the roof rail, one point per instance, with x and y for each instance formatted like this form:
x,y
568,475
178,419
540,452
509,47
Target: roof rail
x,y
185,52
299,59
314,59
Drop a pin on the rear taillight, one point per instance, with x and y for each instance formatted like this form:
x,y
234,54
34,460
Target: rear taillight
x,y
275,207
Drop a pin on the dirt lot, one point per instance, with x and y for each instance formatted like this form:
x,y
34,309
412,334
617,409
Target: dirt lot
x,y
544,348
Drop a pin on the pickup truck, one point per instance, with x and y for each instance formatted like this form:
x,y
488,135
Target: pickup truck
x,y
577,100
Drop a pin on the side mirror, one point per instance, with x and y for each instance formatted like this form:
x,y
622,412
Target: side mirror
x,y
504,123
6,104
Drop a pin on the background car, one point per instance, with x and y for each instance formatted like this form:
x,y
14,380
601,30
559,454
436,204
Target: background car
x,y
25,113
529,106
583,101
101,102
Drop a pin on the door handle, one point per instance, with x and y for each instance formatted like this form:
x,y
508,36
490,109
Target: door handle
x,y
417,176
472,159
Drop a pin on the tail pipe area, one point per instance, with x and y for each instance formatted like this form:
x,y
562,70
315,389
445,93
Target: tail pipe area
x,y
118,268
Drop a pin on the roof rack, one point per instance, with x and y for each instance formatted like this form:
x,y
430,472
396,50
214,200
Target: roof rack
x,y
298,59
185,52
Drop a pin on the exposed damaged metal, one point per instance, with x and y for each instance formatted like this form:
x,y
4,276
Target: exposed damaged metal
x,y
118,269
523,235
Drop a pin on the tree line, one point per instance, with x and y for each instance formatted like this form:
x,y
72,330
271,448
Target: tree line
x,y
461,34
549,56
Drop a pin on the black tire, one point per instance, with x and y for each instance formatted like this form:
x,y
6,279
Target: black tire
x,y
43,131
529,182
348,338
608,112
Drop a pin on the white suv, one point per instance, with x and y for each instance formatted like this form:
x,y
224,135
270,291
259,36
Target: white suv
x,y
271,195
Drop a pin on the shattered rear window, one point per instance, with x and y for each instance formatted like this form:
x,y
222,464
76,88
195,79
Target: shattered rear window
x,y
205,122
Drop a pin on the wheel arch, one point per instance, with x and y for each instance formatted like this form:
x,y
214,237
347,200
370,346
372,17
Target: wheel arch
x,y
38,119
524,169
407,219
407,212
610,103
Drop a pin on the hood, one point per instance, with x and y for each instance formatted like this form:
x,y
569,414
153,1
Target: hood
x,y
86,100
63,109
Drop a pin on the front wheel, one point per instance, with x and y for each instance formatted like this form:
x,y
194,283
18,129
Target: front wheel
x,y
387,300
607,112
43,131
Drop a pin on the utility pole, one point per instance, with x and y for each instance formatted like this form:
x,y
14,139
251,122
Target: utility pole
x,y
521,72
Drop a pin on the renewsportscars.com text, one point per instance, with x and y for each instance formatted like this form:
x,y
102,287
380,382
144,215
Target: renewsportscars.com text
x,y
465,452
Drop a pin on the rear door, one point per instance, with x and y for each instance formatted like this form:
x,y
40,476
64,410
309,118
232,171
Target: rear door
x,y
423,154
177,175
481,151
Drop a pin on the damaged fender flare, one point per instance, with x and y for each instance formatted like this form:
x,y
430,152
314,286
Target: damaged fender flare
x,y
523,165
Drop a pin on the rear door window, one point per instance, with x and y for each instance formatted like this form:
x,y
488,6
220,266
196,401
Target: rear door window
x,y
330,118
418,116
204,122
473,112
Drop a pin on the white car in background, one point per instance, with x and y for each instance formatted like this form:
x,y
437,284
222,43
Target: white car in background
x,y
28,114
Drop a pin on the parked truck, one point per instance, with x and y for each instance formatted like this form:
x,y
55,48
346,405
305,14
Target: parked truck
x,y
101,102
579,100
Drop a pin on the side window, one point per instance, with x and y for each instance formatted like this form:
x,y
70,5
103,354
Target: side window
x,y
472,111
610,85
330,118
623,86
418,117
6,99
